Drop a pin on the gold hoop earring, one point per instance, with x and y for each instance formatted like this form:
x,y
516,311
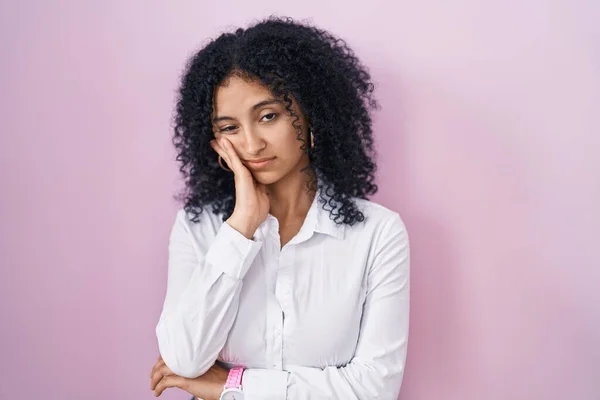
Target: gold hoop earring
x,y
220,161
312,139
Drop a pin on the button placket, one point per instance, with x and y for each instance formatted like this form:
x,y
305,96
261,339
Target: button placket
x,y
284,292
273,323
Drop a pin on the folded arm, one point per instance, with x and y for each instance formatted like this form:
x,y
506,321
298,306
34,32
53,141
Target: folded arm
x,y
202,296
377,369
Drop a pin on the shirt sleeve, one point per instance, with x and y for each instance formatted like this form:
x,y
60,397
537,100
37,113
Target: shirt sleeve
x,y
203,288
377,368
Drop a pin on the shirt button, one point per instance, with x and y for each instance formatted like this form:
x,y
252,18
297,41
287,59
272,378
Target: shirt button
x,y
276,332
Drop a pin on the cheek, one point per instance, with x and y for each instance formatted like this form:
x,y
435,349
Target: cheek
x,y
292,147
283,139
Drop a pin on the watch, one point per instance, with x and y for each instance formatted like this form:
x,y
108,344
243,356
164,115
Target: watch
x,y
233,387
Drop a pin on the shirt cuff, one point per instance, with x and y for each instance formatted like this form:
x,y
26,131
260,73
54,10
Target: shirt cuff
x,y
232,252
264,384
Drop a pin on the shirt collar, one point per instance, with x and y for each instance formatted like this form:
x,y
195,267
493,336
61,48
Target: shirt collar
x,y
319,220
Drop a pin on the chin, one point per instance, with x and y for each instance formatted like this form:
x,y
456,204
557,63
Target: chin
x,y
266,178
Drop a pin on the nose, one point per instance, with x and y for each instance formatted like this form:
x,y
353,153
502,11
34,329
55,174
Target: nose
x,y
254,143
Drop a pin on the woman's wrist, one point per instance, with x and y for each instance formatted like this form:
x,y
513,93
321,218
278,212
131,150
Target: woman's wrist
x,y
218,379
243,226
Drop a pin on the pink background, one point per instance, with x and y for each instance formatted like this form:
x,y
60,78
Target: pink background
x,y
489,140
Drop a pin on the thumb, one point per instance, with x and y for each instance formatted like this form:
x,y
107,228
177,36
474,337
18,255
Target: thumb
x,y
171,381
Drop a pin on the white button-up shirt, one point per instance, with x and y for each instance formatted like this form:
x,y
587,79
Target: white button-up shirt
x,y
324,317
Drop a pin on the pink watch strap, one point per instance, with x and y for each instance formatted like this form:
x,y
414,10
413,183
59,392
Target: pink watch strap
x,y
234,379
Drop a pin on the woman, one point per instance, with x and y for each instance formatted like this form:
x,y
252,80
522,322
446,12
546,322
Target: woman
x,y
284,281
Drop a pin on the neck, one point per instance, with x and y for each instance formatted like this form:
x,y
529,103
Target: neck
x,y
290,197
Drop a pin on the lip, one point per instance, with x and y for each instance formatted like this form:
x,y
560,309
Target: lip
x,y
259,163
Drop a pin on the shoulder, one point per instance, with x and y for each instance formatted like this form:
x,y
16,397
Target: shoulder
x,y
386,234
205,218
379,220
377,214
201,229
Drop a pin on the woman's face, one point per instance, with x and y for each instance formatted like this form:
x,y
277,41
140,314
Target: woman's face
x,y
260,129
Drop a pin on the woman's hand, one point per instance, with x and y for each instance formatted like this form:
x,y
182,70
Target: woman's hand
x,y
208,386
251,200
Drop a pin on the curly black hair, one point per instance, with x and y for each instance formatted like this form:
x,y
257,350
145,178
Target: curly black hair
x,y
331,86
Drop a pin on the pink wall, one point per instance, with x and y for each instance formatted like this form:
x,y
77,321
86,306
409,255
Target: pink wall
x,y
489,139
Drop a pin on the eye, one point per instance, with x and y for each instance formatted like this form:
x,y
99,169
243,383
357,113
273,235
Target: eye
x,y
228,128
271,116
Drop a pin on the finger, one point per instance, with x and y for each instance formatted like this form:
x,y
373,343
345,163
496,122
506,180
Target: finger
x,y
220,151
216,145
170,381
234,160
158,364
158,375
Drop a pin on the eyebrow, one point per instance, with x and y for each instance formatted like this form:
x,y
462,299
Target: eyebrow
x,y
254,108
